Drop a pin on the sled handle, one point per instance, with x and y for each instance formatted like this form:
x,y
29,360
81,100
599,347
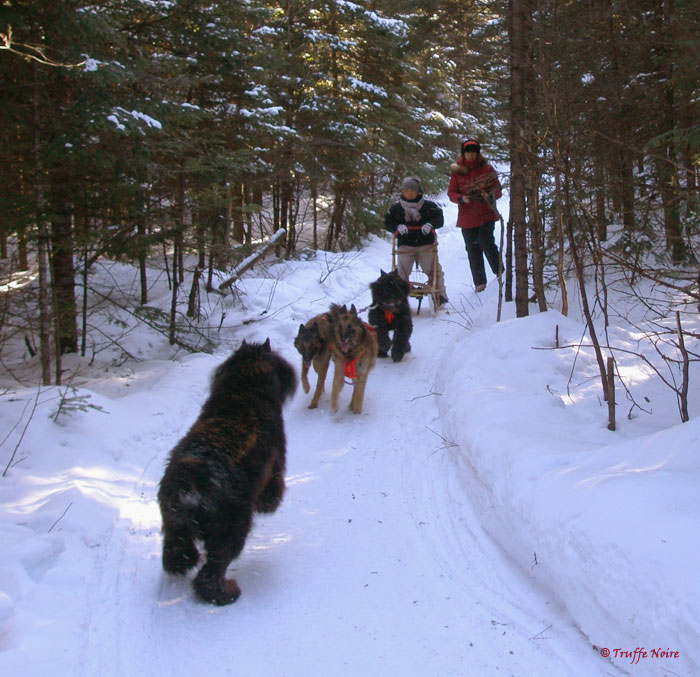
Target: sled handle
x,y
396,232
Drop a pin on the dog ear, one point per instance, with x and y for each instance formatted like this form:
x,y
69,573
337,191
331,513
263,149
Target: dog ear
x,y
301,329
381,273
266,345
353,310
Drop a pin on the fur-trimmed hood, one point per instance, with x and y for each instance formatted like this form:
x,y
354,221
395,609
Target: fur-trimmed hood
x,y
458,167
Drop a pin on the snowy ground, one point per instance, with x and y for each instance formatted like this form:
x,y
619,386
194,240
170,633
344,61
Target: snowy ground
x,y
476,519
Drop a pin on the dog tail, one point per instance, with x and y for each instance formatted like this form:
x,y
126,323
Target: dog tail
x,y
179,495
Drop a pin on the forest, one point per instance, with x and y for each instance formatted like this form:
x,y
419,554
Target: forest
x,y
187,132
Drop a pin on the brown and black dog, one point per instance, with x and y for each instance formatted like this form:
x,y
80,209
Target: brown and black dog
x,y
229,465
354,353
313,344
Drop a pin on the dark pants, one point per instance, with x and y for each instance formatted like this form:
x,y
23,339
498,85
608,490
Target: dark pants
x,y
479,242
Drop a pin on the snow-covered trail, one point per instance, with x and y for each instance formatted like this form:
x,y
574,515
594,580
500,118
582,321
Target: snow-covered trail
x,y
374,564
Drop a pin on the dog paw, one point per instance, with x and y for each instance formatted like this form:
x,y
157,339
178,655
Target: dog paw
x,y
222,593
271,496
382,353
179,559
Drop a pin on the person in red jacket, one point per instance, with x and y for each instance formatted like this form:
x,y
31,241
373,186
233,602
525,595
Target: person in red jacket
x,y
475,187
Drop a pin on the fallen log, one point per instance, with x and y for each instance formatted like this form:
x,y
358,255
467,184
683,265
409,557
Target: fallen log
x,y
251,260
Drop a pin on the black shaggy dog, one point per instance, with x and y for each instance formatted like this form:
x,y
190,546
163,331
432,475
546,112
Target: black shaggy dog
x,y
230,464
390,311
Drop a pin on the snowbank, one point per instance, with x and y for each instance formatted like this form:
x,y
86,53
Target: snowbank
x,y
604,521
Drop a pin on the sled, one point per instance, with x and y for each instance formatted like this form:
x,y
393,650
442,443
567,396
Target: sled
x,y
421,285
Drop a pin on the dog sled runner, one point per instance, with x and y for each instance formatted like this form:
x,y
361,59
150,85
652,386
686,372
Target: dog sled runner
x,y
421,285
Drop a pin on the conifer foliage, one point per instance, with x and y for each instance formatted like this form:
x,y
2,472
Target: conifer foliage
x,y
187,126
180,128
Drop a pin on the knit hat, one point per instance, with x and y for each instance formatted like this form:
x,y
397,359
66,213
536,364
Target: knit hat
x,y
411,183
471,146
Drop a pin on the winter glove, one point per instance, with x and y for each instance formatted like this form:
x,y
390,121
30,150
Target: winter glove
x,y
425,229
402,229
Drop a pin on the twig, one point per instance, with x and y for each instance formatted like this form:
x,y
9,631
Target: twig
x,y
61,517
15,425
540,634
448,443
21,437
420,397
33,52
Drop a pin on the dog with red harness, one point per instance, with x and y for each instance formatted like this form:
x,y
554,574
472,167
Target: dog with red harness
x,y
354,354
390,312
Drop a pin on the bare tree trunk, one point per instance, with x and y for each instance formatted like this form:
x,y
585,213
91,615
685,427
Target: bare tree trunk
x,y
193,306
314,196
43,247
176,285
600,218
63,272
288,217
22,252
336,222
559,218
683,394
84,309
537,240
178,254
581,278
518,55
611,394
247,198
508,294
276,212
666,167
626,190
234,216
258,200
143,275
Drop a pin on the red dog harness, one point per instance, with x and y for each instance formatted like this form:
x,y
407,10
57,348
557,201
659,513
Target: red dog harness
x,y
350,366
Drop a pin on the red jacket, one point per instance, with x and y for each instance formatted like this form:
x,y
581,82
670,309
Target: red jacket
x,y
475,182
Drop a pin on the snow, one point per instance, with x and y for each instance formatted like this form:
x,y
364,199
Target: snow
x,y
477,518
136,115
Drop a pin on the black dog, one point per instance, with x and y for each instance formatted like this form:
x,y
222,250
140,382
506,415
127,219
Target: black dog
x,y
230,464
390,311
